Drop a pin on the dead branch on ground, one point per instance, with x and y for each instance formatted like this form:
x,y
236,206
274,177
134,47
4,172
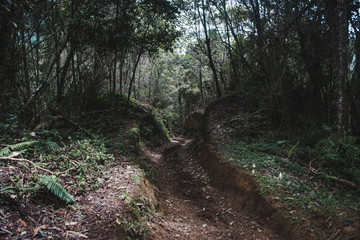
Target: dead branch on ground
x,y
28,161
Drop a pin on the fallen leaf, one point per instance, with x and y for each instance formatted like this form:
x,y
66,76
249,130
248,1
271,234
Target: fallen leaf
x,y
22,222
70,223
35,232
76,234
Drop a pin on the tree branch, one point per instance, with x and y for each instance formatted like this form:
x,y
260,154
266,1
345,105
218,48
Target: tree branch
x,y
26,160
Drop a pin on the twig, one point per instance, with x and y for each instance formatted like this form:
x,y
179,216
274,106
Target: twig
x,y
335,234
60,173
25,160
7,231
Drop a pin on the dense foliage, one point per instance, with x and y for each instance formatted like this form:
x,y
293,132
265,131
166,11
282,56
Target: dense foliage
x,y
69,52
298,61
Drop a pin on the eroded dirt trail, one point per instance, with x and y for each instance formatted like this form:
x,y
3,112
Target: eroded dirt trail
x,y
192,208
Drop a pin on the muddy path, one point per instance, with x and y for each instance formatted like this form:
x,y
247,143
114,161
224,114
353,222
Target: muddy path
x,y
192,207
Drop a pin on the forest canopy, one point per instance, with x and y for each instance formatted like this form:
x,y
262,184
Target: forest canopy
x,y
300,59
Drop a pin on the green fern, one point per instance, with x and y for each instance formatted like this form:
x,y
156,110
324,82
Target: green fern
x,y
56,188
53,146
22,145
47,146
7,190
6,151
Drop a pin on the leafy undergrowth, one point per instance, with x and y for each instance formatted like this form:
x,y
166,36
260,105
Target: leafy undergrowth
x,y
52,175
300,175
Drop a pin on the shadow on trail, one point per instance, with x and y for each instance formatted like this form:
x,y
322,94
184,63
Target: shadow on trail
x,y
205,204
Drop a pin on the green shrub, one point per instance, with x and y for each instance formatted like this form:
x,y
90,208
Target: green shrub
x,y
338,157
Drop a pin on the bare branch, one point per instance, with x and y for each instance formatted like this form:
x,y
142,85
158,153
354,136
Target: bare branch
x,y
26,160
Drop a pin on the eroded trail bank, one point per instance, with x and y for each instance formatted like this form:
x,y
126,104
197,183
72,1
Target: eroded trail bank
x,y
191,206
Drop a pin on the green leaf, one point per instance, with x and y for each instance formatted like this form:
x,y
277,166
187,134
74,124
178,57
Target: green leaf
x,y
56,188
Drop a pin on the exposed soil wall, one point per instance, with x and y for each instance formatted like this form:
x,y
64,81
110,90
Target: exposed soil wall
x,y
242,189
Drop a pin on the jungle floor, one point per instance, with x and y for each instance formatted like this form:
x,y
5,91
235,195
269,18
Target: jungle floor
x,y
185,203
181,198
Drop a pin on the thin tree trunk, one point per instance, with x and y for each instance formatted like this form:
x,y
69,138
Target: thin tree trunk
x,y
208,48
56,42
235,36
201,86
73,71
46,75
133,77
25,62
260,45
121,75
63,76
115,51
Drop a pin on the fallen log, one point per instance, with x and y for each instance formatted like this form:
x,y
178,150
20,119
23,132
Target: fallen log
x,y
335,179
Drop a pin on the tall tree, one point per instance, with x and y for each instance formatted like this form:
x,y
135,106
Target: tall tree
x,y
202,14
338,23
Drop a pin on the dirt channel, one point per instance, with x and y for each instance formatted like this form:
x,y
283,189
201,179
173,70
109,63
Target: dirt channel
x,y
193,206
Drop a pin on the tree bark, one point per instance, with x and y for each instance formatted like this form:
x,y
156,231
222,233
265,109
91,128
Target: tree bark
x,y
337,10
201,86
26,79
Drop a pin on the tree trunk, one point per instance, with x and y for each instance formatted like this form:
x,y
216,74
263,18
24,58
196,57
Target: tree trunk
x,y
201,86
26,79
133,77
230,27
261,48
337,10
115,54
208,49
56,42
62,80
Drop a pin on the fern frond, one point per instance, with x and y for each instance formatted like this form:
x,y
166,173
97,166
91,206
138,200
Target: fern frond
x,y
22,145
47,146
7,190
56,188
53,146
6,151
